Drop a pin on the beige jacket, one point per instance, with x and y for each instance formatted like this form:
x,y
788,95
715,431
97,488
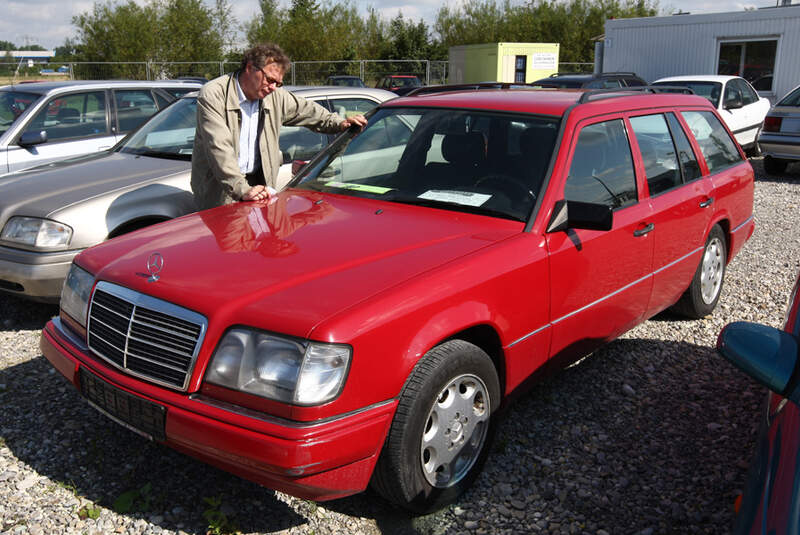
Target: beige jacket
x,y
216,178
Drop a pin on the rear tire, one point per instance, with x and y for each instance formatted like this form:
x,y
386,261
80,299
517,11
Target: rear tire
x,y
442,429
702,296
774,166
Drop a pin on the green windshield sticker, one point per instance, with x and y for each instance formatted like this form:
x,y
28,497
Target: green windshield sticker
x,y
358,187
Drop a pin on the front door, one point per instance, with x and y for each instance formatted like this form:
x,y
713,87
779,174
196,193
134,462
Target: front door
x,y
601,280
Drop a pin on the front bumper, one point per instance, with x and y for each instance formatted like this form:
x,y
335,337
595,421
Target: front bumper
x,y
35,275
781,146
312,460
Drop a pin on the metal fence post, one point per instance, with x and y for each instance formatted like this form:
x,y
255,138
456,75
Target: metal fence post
x,y
427,72
147,69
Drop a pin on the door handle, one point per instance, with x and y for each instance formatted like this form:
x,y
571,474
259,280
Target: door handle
x,y
644,230
706,203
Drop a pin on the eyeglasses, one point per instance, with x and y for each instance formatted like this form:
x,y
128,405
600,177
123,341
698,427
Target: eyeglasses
x,y
270,80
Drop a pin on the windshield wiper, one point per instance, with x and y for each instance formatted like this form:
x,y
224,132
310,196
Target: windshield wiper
x,y
434,203
158,154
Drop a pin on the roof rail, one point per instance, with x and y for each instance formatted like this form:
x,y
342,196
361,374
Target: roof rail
x,y
426,90
623,91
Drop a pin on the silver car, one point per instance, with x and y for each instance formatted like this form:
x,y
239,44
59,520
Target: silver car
x,y
46,121
50,213
779,139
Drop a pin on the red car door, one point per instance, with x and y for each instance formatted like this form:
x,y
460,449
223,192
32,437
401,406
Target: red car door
x,y
600,280
682,201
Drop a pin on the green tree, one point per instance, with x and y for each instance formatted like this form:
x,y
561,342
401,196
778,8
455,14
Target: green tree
x,y
7,45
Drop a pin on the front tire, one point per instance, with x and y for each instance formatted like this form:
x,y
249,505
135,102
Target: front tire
x,y
702,296
442,429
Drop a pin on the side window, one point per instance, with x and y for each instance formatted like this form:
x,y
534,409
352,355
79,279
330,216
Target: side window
x,y
749,96
300,143
347,107
658,152
612,83
719,150
602,168
634,82
72,116
133,108
686,157
732,92
389,131
161,100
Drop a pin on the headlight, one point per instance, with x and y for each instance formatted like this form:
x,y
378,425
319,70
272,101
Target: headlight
x,y
75,293
37,232
301,373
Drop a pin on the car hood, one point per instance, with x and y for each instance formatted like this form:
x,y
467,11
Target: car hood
x,y
291,263
45,189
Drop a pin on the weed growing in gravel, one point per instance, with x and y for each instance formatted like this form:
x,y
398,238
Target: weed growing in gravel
x,y
140,499
89,511
218,522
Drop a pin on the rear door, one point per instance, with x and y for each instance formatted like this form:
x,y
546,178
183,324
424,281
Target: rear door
x,y
682,202
601,281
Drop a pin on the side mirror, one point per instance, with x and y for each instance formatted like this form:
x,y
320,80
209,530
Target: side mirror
x,y
576,214
734,103
29,139
765,353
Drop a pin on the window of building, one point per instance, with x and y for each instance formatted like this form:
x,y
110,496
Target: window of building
x,y
520,68
752,60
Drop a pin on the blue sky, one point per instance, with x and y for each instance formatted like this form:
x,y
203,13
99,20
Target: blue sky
x,y
49,22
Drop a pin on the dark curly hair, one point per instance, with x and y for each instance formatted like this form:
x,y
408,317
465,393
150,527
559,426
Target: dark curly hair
x,y
264,54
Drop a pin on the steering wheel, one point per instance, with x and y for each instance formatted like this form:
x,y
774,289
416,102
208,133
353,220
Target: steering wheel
x,y
510,186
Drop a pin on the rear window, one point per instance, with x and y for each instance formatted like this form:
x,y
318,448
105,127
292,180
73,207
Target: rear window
x,y
719,150
792,99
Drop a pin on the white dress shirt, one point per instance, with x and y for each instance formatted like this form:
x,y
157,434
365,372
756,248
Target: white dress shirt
x,y
248,134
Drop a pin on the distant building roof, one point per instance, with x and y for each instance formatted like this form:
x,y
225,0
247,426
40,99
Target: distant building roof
x,y
27,54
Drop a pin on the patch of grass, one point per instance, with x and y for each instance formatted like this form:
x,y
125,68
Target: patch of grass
x,y
218,522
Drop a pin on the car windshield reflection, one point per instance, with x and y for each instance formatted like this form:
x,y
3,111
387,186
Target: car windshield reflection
x,y
468,161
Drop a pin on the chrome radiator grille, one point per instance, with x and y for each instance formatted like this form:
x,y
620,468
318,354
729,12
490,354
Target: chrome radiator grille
x,y
144,336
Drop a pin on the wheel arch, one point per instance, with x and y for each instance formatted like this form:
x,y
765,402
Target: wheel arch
x,y
136,224
725,224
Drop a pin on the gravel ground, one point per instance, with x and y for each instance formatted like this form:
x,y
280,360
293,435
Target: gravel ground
x,y
651,434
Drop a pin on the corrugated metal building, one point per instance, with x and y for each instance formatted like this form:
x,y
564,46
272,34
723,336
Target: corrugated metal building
x,y
761,45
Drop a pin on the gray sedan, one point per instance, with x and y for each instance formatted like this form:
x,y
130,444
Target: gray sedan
x,y
50,213
779,139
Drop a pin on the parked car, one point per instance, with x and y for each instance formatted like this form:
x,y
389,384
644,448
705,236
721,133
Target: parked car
x,y
346,80
770,500
735,99
365,324
400,84
46,121
779,138
50,213
602,80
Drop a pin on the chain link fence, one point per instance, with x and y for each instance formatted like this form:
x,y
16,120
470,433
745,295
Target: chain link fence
x,y
301,73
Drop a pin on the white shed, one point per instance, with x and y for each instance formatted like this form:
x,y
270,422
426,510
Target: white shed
x,y
761,45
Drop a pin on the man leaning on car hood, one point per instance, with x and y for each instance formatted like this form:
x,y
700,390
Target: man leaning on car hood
x,y
236,156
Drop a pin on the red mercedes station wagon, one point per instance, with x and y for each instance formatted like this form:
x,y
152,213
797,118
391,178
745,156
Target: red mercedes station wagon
x,y
365,325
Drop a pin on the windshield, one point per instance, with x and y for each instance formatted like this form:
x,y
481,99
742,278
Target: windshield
x,y
169,134
709,90
470,161
410,81
12,104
